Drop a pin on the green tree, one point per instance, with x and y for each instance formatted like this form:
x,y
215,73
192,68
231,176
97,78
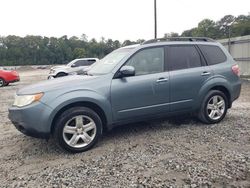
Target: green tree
x,y
79,53
172,34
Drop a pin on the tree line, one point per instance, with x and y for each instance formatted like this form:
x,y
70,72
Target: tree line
x,y
228,26
38,50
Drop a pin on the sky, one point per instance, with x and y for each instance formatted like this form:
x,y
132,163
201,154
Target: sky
x,y
115,19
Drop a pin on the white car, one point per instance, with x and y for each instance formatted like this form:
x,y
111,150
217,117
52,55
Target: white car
x,y
76,66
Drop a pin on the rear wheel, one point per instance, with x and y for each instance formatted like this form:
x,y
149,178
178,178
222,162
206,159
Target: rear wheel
x,y
78,129
2,82
214,107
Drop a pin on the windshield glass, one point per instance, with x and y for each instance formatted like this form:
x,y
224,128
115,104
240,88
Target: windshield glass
x,y
106,64
71,62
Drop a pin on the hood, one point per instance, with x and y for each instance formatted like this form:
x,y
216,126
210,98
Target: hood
x,y
66,82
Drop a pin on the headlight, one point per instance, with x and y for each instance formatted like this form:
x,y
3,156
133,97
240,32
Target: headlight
x,y
52,71
24,100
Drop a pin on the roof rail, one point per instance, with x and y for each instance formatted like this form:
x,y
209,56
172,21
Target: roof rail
x,y
204,39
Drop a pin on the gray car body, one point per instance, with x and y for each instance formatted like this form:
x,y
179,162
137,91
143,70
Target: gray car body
x,y
127,99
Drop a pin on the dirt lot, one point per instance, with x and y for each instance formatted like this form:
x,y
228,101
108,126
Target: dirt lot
x,y
170,153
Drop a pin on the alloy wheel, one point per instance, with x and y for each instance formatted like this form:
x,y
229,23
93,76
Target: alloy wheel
x,y
216,107
79,131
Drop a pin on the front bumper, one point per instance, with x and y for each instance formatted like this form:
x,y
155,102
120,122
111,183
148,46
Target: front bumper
x,y
50,77
16,79
32,120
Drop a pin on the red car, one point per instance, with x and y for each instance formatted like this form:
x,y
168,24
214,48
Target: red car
x,y
7,77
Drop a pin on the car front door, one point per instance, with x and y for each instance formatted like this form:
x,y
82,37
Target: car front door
x,y
188,73
145,93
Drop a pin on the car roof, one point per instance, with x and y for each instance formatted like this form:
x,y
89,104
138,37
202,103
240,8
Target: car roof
x,y
89,58
130,46
173,41
178,42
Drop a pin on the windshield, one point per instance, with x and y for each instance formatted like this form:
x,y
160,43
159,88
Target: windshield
x,y
106,64
71,62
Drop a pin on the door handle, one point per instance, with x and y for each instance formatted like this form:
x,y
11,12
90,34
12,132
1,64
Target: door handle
x,y
205,73
162,80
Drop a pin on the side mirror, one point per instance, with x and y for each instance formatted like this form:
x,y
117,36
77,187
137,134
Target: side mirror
x,y
73,65
126,71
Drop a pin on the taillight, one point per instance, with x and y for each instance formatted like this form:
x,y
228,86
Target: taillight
x,y
236,69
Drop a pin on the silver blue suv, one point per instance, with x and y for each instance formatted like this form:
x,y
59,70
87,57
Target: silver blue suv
x,y
159,78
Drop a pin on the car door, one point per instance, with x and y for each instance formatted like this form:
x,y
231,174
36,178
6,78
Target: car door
x,y
145,93
188,73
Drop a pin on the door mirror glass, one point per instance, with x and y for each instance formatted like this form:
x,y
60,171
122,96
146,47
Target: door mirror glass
x,y
127,71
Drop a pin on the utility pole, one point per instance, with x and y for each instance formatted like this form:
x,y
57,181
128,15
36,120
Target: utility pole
x,y
229,39
155,18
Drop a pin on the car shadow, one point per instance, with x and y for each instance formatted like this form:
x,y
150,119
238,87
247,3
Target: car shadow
x,y
147,126
49,147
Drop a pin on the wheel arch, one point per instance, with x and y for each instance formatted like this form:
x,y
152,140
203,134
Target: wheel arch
x,y
217,83
3,78
225,91
87,104
61,72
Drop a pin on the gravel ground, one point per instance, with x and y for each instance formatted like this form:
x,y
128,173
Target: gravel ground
x,y
165,153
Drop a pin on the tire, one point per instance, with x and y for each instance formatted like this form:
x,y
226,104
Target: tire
x,y
214,107
77,137
2,82
60,74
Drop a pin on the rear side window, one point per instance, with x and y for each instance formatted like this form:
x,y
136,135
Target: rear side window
x,y
183,57
213,54
90,61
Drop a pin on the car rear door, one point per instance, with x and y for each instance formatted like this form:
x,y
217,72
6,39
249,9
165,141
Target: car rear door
x,y
188,72
146,93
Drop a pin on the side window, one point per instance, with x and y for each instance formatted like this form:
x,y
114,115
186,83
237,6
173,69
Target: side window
x,y
183,57
148,61
213,54
90,61
81,63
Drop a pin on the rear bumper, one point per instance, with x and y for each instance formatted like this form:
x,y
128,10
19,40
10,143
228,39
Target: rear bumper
x,y
236,89
17,79
31,120
12,81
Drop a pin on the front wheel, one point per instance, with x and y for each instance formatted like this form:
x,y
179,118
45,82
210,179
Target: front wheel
x,y
78,129
61,74
214,107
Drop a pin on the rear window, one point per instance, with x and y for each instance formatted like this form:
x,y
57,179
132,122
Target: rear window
x,y
213,54
183,57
